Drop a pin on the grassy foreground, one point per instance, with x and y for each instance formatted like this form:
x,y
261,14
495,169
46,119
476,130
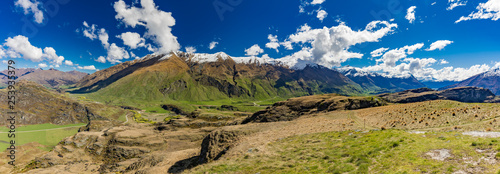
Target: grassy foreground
x,y
45,134
388,151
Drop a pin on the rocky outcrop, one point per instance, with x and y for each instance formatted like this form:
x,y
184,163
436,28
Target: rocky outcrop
x,y
106,149
461,94
217,143
296,107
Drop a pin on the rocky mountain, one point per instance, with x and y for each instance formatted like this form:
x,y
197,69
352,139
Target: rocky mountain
x,y
489,80
36,104
50,78
188,77
378,83
461,94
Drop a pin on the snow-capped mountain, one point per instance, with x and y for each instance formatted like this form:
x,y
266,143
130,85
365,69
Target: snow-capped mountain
x,y
380,82
489,80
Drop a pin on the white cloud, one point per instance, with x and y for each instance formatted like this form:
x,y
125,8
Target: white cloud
x,y
101,59
255,50
190,49
90,67
434,3
378,52
212,45
116,54
287,45
330,46
440,44
31,7
132,39
2,53
315,2
68,62
50,54
273,42
410,14
157,23
103,37
321,15
442,62
5,61
89,31
391,57
20,46
455,3
42,65
487,10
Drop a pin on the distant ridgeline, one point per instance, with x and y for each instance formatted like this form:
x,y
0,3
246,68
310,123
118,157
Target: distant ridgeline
x,y
49,78
205,77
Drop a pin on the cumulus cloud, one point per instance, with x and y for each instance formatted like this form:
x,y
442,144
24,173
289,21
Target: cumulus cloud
x,y
212,45
392,56
68,62
330,46
89,31
410,14
50,54
31,7
132,40
487,10
378,52
43,65
321,15
157,23
103,37
190,49
20,47
273,42
455,3
315,2
396,63
90,67
101,59
255,50
440,44
116,54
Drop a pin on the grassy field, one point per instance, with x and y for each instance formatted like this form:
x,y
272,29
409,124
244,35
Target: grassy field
x,y
389,151
45,134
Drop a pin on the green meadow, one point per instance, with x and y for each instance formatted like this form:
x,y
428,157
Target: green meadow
x,y
46,134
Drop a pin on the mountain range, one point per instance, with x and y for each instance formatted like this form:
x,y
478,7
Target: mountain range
x,y
378,83
50,78
489,80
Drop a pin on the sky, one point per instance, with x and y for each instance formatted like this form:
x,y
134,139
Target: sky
x,y
433,40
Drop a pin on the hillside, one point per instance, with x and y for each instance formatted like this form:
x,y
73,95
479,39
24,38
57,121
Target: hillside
x,y
51,78
489,80
35,104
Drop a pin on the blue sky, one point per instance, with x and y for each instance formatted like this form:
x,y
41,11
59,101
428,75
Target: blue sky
x,y
31,30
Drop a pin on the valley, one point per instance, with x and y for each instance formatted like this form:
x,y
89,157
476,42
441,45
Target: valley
x,y
176,114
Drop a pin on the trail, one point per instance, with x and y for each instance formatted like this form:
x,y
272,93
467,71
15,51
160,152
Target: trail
x,y
43,129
